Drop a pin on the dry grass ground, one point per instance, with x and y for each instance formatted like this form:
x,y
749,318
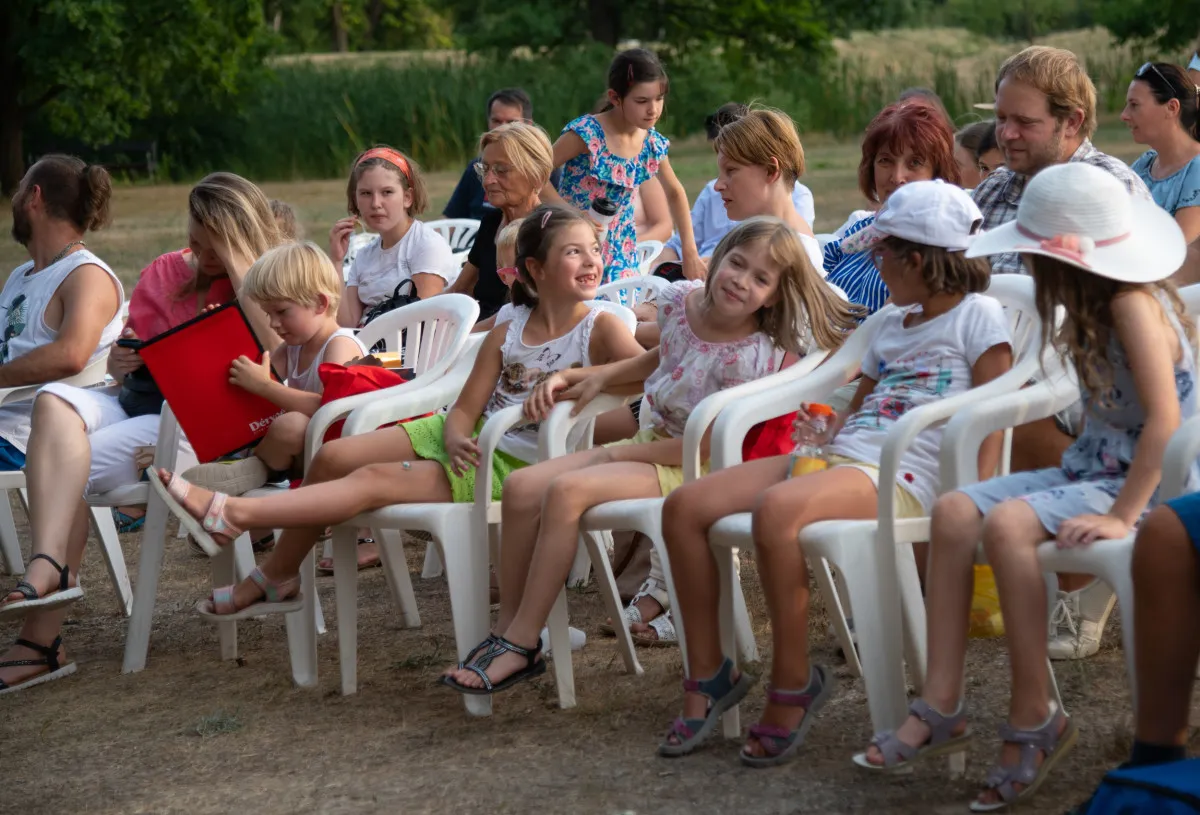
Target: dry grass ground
x,y
192,734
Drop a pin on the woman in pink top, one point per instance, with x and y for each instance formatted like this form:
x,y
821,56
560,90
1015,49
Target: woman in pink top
x,y
84,440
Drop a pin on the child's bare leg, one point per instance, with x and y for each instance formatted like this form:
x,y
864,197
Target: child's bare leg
x,y
284,442
782,512
688,514
949,583
521,517
564,500
1166,584
1011,534
615,425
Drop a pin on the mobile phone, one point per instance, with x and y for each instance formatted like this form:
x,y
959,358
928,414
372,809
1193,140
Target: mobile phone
x,y
130,342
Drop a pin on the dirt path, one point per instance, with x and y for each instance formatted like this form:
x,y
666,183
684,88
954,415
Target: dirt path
x,y
194,735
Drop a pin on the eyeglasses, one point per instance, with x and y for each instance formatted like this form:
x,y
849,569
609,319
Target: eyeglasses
x,y
1150,66
501,170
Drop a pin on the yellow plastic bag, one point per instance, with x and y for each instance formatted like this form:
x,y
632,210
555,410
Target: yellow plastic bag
x,y
985,605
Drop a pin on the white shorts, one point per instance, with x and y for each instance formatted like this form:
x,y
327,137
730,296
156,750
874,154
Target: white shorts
x,y
113,435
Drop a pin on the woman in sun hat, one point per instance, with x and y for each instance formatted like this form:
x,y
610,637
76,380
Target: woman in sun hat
x,y
1106,258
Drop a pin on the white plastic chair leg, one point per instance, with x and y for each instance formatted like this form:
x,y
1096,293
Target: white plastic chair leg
x,y
731,721
243,556
224,573
433,562
302,628
345,578
1051,581
150,559
832,589
10,544
560,645
395,569
467,577
581,569
912,606
114,559
612,602
743,630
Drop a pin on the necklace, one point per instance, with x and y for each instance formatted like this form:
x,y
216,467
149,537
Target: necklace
x,y
64,251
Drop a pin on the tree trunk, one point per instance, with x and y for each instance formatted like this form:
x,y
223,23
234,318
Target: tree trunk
x,y
12,122
604,19
341,42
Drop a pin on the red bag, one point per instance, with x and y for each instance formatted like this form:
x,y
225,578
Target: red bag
x,y
341,381
771,438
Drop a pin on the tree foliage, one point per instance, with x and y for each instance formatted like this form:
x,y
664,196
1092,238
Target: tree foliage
x,y
88,69
356,25
1169,24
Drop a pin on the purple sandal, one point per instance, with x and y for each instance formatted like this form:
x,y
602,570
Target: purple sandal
x,y
899,757
780,743
722,692
1046,740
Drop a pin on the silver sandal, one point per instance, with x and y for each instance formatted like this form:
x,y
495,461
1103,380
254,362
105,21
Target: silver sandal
x,y
1046,740
898,757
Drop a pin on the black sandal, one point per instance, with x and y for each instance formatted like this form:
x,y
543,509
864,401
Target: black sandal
x,y
485,654
54,669
34,601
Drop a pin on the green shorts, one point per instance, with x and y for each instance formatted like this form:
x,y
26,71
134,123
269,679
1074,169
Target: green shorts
x,y
428,441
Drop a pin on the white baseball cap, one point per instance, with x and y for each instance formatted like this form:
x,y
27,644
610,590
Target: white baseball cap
x,y
933,213
1085,217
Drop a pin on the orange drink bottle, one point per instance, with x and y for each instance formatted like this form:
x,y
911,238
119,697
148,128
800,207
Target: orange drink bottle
x,y
811,435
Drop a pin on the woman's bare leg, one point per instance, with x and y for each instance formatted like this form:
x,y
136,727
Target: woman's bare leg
x,y
782,512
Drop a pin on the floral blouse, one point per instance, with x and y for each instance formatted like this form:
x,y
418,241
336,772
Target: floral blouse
x,y
598,173
690,369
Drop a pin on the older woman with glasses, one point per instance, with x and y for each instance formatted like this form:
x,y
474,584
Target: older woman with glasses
x,y
515,161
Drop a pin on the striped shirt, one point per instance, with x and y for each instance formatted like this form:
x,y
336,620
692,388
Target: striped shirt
x,y
855,274
1000,193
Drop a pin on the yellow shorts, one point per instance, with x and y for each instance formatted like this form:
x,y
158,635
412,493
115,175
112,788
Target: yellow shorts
x,y
669,478
907,505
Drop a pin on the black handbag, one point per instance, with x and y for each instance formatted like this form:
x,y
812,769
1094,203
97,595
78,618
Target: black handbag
x,y
139,394
397,300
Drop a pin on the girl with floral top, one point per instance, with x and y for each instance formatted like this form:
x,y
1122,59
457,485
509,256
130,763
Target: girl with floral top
x,y
610,154
762,301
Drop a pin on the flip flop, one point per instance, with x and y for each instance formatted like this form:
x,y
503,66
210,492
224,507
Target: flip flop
x,y
63,595
667,637
279,597
54,669
214,522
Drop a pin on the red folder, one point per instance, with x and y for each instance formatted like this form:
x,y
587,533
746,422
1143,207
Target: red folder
x,y
190,364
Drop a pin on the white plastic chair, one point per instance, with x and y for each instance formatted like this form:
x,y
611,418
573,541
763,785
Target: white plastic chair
x,y
436,333
357,242
632,291
647,251
824,238
458,232
1108,560
880,575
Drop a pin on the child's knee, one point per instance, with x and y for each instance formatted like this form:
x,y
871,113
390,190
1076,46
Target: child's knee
x,y
521,489
567,495
680,506
1006,526
778,518
331,461
954,511
289,428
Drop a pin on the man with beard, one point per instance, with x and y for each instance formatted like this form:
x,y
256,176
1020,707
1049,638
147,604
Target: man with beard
x,y
62,309
1045,114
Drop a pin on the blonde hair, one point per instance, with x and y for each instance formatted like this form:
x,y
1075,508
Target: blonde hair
x,y
761,135
528,148
235,211
295,272
507,238
805,305
285,216
1057,73
1088,329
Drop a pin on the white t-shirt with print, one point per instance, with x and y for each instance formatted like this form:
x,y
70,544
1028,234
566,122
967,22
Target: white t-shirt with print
x,y
378,271
914,367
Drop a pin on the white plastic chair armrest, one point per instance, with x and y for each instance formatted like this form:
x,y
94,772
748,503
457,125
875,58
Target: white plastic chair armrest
x,y
493,430
710,408
1181,453
404,405
966,432
92,374
556,429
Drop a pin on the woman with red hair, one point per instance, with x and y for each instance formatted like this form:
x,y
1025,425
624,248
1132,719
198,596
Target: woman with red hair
x,y
909,140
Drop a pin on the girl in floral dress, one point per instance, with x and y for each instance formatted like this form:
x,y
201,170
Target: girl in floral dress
x,y
610,154
762,301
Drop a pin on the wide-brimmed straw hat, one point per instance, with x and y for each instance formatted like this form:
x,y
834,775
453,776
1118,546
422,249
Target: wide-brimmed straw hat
x,y
1085,217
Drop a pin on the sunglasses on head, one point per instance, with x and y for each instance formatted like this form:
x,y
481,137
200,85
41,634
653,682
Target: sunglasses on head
x,y
1150,66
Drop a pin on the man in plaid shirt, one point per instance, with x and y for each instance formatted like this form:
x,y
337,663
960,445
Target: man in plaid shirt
x,y
1045,114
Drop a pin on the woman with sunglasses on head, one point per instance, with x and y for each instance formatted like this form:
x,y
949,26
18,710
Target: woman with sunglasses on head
x,y
1162,110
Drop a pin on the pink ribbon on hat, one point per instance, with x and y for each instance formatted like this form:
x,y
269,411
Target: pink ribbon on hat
x,y
1069,246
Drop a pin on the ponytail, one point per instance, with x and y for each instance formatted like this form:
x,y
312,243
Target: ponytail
x,y
95,195
72,190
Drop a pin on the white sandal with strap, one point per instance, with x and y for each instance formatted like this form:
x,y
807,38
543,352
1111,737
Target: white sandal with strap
x,y
664,628
203,529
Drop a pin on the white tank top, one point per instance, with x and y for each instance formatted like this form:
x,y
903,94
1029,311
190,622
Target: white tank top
x,y
524,366
24,300
309,380
23,303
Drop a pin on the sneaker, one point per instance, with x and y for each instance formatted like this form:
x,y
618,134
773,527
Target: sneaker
x,y
578,639
1078,621
230,477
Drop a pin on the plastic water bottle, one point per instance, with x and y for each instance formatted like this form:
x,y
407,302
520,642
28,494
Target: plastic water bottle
x,y
811,436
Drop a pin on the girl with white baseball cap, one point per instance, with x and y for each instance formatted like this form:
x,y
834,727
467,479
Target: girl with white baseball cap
x,y
1106,258
944,338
